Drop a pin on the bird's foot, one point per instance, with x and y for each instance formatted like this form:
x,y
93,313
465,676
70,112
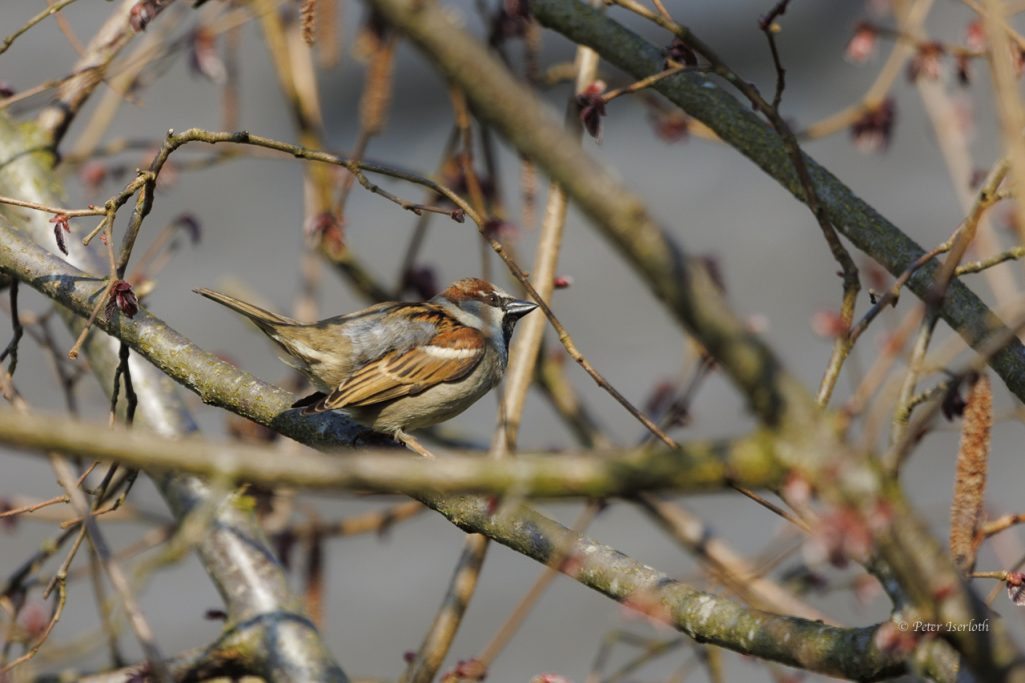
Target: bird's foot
x,y
412,444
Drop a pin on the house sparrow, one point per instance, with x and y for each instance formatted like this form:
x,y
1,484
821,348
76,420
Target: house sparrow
x,y
399,366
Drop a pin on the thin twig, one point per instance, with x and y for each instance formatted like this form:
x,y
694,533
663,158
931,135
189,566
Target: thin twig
x,y
12,346
995,526
1012,254
32,507
70,213
114,573
671,70
49,11
893,293
101,301
769,28
377,521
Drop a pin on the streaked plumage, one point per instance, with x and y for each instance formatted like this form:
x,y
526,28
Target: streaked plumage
x,y
399,366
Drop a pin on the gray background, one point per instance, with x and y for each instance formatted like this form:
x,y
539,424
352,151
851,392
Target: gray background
x,y
382,593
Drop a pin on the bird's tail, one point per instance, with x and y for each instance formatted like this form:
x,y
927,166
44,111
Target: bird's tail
x,y
264,319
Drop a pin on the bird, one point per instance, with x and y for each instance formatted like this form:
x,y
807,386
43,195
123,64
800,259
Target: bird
x,y
396,367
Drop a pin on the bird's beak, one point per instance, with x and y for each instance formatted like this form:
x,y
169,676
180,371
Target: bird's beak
x,y
517,308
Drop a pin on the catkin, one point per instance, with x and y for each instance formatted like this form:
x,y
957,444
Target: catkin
x,y
308,18
970,481
373,105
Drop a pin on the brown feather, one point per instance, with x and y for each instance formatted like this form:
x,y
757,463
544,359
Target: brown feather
x,y
449,356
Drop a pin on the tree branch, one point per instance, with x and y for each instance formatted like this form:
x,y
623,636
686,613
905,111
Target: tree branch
x,y
842,652
695,467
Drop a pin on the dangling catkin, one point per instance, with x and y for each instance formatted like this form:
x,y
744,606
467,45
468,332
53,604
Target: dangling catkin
x,y
373,105
970,481
308,17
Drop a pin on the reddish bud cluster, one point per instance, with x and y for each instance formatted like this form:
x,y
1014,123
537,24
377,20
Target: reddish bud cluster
x,y
681,53
927,62
839,537
862,45
139,16
975,36
1015,583
797,490
325,230
670,123
873,130
671,126
92,175
828,324
954,403
33,619
122,298
591,105
421,279
467,670
510,21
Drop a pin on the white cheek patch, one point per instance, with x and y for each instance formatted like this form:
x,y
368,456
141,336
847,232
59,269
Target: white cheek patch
x,y
447,353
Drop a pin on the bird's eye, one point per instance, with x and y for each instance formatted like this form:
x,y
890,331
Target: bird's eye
x,y
493,300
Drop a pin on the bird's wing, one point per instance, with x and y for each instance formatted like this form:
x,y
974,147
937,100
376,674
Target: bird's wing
x,y
450,355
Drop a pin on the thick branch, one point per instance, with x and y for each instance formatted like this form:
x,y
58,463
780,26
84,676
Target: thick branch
x,y
695,467
812,645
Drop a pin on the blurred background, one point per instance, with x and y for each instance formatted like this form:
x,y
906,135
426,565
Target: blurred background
x,y
383,590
